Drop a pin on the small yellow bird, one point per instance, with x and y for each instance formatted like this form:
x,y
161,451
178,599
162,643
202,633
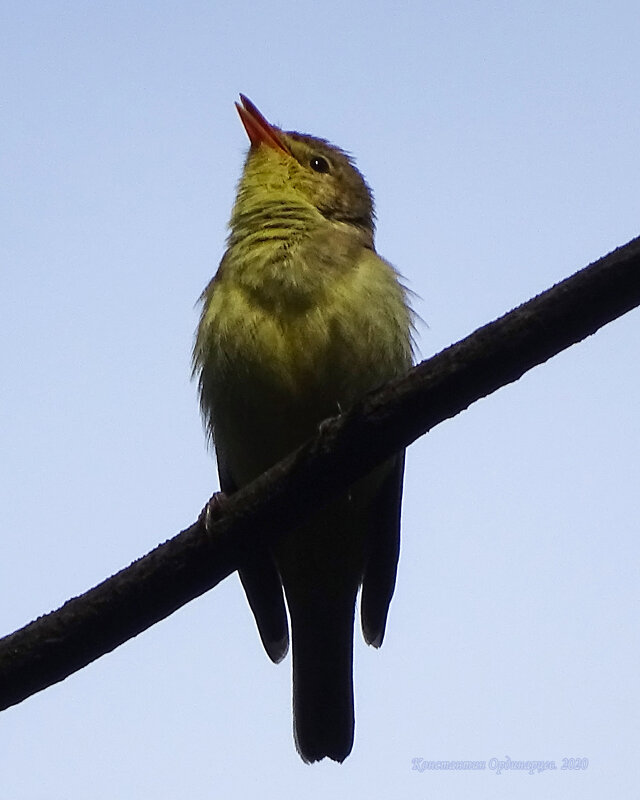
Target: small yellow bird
x,y
302,319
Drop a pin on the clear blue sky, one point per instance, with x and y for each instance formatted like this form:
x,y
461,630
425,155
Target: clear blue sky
x,y
501,140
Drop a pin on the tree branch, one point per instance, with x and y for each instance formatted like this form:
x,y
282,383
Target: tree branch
x,y
345,448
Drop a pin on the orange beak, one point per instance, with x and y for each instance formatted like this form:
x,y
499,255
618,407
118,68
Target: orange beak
x,y
258,129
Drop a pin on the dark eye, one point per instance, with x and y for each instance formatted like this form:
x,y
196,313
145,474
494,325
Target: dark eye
x,y
319,164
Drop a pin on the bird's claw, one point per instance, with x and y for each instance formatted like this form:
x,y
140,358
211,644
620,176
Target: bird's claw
x,y
212,510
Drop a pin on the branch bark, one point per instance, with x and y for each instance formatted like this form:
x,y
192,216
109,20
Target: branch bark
x,y
345,448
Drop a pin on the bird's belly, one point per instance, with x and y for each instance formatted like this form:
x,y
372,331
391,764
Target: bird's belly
x,y
282,379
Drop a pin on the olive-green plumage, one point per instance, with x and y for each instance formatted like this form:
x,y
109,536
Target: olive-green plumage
x,y
301,319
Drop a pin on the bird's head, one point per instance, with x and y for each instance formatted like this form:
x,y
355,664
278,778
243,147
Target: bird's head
x,y
303,169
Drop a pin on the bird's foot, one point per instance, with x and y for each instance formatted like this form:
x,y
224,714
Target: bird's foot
x,y
212,510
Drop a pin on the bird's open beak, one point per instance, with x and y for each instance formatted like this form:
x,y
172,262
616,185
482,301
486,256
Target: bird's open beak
x,y
258,129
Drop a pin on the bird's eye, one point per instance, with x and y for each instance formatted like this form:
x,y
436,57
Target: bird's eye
x,y
319,164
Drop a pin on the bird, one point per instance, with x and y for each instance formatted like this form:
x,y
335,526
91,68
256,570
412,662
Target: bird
x,y
302,319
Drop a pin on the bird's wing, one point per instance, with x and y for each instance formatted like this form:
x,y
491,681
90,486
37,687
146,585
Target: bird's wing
x,y
263,587
383,547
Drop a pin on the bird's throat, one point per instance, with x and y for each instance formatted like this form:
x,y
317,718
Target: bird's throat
x,y
276,254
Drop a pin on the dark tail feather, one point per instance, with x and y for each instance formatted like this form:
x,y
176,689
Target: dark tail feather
x,y
323,719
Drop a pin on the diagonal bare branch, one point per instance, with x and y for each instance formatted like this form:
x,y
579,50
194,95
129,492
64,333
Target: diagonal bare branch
x,y
346,448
